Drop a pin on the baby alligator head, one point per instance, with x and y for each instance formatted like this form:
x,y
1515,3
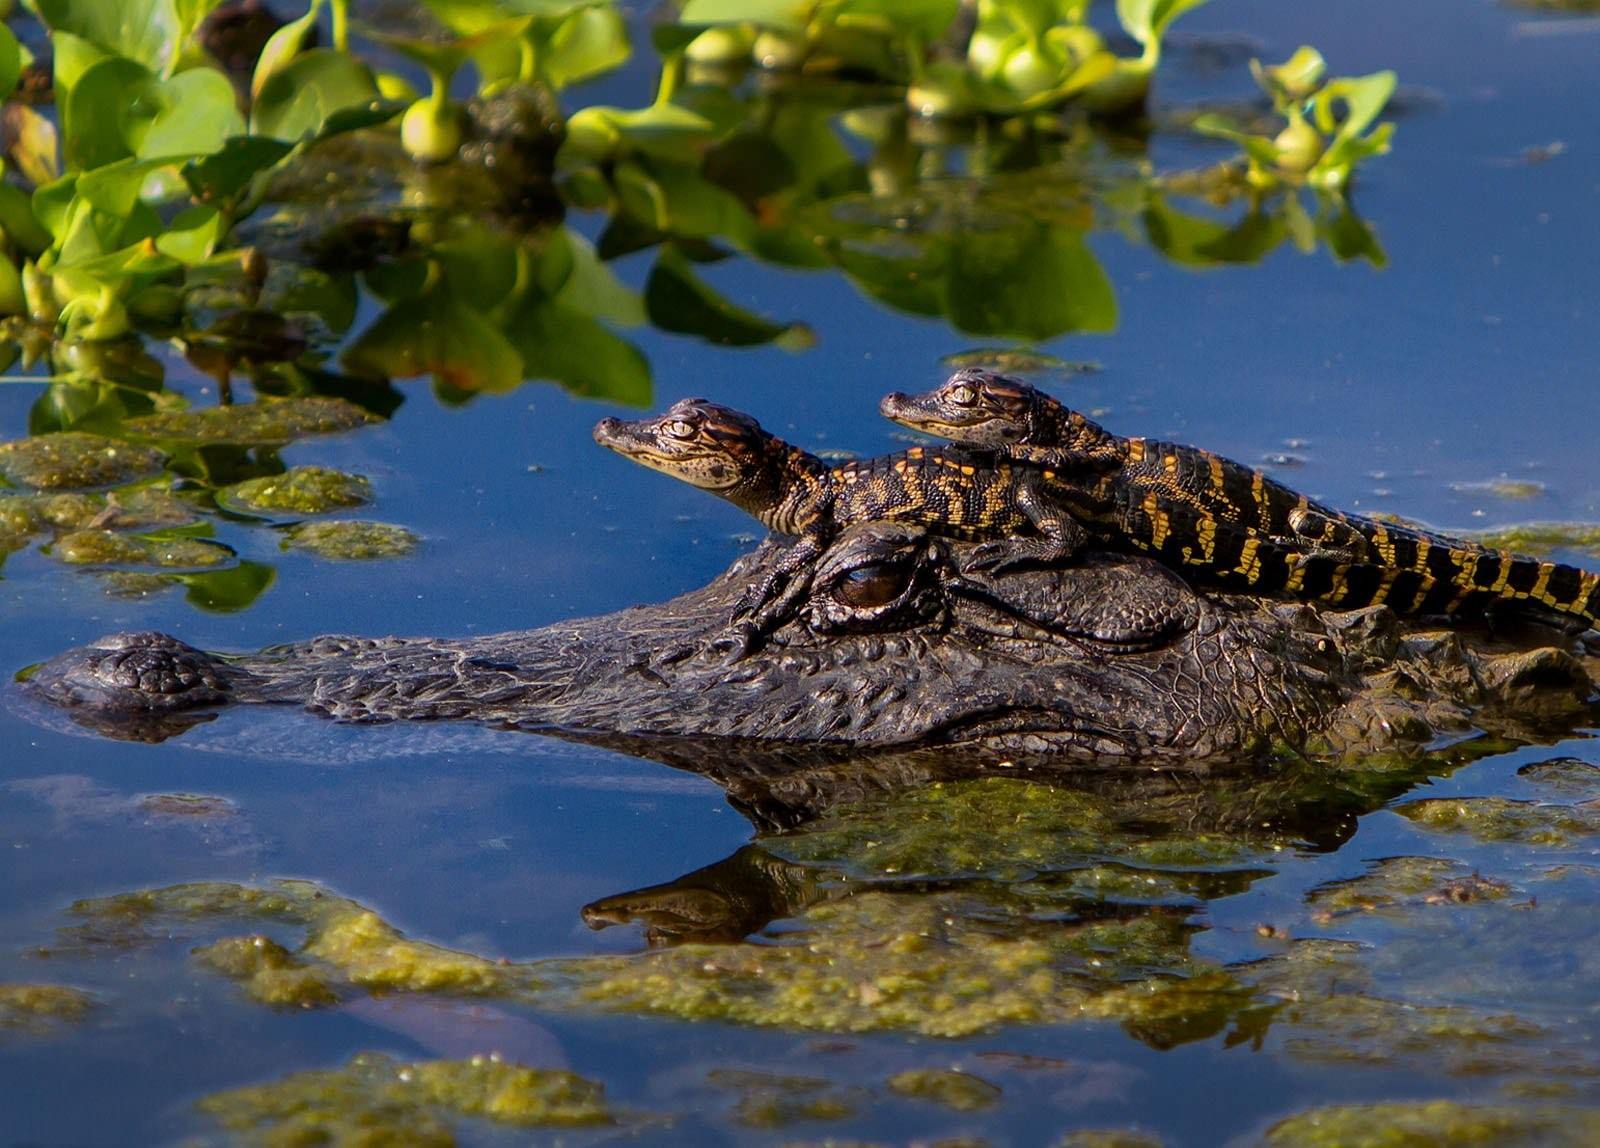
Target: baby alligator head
x,y
705,444
974,407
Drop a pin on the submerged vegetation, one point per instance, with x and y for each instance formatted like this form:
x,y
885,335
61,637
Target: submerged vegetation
x,y
913,914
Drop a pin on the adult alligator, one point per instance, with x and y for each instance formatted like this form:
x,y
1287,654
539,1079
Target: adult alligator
x,y
896,644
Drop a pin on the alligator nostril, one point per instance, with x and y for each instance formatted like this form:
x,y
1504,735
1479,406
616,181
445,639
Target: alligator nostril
x,y
891,402
605,428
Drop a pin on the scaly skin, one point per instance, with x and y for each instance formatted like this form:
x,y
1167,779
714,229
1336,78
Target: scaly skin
x,y
1230,523
792,491
1112,661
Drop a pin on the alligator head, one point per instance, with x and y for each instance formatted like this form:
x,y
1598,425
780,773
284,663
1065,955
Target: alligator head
x,y
896,645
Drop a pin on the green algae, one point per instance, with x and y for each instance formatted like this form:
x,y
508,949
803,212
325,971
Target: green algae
x,y
299,490
1108,1138
1435,1124
347,947
269,422
37,1008
1505,819
75,460
958,1090
351,541
1565,775
1540,538
1401,883
135,583
375,1100
108,548
773,1100
1511,489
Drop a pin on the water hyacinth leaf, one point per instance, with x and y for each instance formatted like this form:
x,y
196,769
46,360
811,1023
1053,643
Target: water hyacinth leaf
x,y
1364,98
19,223
228,590
1295,78
10,61
790,15
680,301
678,201
224,174
1147,20
35,147
149,32
436,336
282,47
566,346
594,289
298,101
196,113
1030,282
665,130
1258,148
72,57
588,43
102,112
192,235
927,19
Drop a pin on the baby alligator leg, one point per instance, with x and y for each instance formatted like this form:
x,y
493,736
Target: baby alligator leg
x,y
1328,538
1059,536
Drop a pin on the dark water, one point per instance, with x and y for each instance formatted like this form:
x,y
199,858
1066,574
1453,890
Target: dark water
x,y
1469,358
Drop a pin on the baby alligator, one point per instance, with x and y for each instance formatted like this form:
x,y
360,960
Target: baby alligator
x,y
1229,521
946,492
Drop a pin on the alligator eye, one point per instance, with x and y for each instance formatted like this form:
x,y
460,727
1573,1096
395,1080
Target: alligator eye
x,y
962,395
677,428
872,584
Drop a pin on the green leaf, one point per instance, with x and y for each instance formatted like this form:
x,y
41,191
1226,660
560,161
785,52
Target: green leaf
x,y
226,173
228,590
282,47
148,32
73,57
437,336
682,302
104,110
587,43
19,223
674,199
927,19
196,113
1364,98
1148,20
115,187
35,147
1258,148
560,343
788,15
1294,79
10,62
192,235
592,288
1031,281
301,99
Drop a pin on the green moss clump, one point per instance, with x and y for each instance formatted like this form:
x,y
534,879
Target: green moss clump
x,y
299,490
269,972
68,511
351,540
269,422
347,946
1542,537
108,548
74,460
376,1100
958,1090
18,518
1435,1124
1512,489
38,1008
1505,819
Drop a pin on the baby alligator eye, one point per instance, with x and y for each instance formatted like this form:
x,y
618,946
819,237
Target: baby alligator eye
x,y
677,428
872,584
962,395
